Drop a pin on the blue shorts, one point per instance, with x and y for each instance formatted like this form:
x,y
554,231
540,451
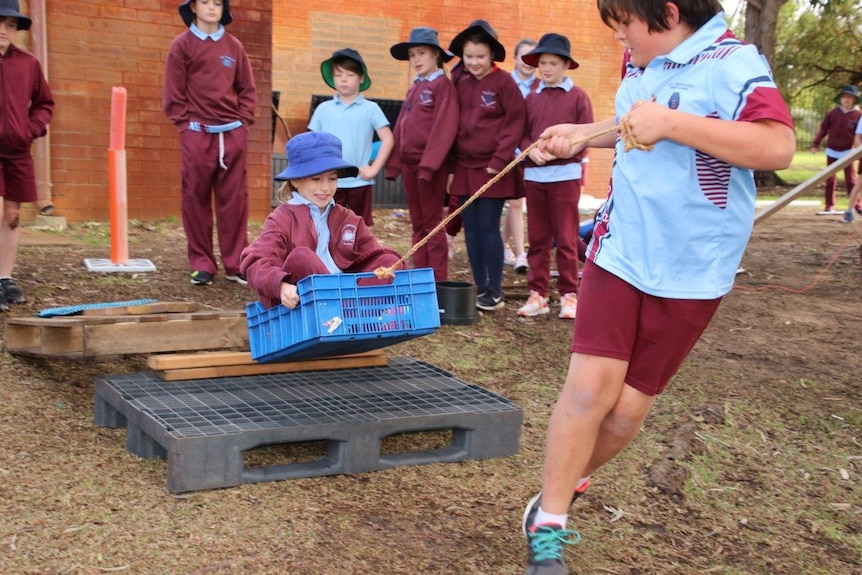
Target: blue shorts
x,y
653,334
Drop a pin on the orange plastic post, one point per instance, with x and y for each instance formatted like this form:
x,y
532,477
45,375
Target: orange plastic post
x,y
119,207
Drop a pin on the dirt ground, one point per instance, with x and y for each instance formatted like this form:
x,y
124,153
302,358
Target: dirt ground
x,y
750,463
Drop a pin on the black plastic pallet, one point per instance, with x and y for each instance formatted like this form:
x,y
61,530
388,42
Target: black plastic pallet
x,y
203,427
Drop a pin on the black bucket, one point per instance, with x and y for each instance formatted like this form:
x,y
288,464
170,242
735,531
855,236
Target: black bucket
x,y
457,303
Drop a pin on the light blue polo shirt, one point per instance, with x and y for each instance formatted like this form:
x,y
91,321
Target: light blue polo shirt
x,y
321,226
523,85
354,124
677,221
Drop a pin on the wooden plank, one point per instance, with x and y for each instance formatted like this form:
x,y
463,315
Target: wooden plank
x,y
340,362
218,359
149,308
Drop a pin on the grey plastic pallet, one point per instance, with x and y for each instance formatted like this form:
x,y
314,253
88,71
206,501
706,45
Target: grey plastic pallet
x,y
203,427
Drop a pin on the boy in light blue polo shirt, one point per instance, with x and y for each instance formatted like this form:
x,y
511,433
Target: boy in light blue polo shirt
x,y
354,120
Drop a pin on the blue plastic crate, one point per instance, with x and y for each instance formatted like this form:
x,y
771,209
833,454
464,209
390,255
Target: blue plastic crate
x,y
336,316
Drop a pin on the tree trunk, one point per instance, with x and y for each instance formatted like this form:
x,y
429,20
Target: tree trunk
x,y
761,18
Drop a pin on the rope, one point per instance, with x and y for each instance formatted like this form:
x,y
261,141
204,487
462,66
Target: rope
x,y
816,279
385,273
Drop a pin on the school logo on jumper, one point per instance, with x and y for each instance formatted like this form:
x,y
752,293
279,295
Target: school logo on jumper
x,y
426,97
227,61
673,102
489,99
348,234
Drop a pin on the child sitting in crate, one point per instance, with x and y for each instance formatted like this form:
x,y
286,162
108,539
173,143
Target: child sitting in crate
x,y
309,233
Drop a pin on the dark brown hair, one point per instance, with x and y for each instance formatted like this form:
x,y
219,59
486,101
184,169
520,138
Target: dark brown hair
x,y
695,13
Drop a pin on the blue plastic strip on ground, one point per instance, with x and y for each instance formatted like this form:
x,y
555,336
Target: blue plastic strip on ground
x,y
76,309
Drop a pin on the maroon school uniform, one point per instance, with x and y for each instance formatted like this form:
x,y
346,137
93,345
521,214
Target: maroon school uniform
x,y
838,127
424,133
289,232
209,85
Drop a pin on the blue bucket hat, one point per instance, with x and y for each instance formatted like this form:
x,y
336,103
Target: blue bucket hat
x,y
849,90
482,28
422,36
551,44
312,153
326,67
11,9
188,16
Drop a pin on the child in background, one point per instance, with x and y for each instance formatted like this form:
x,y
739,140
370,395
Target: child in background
x,y
838,127
515,254
854,198
26,110
553,184
704,112
354,120
424,133
490,128
309,233
210,97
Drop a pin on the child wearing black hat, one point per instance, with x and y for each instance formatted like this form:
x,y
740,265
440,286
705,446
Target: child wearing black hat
x,y
27,108
210,97
354,120
310,233
424,133
490,127
838,128
553,184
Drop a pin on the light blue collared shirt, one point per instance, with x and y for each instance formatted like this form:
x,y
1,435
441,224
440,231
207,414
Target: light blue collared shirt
x,y
215,36
523,85
321,226
430,77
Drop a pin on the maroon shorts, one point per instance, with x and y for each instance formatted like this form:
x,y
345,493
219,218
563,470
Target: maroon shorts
x,y
18,179
653,334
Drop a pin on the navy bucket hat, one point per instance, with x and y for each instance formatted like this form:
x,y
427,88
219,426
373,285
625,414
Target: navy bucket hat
x,y
848,90
482,28
327,72
11,9
188,16
312,153
422,36
551,44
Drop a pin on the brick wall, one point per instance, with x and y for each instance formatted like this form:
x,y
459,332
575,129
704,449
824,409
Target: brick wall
x,y
94,45
306,33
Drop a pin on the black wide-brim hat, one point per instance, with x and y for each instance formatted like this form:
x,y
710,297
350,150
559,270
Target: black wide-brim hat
x,y
482,28
327,72
849,90
551,44
422,36
188,16
11,9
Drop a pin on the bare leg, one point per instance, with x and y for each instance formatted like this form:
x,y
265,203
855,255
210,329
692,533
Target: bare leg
x,y
10,232
513,226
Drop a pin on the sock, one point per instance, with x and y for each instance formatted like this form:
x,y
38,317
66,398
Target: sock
x,y
542,518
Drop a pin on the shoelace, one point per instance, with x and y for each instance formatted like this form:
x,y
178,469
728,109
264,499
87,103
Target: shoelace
x,y
547,542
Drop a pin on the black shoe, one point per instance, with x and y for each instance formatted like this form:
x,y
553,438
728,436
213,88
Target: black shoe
x,y
490,301
202,278
4,303
12,292
238,278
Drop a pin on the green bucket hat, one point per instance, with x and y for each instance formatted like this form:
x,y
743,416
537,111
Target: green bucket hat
x,y
349,53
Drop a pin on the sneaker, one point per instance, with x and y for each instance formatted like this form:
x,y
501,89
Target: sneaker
x,y
489,301
4,303
848,217
545,548
509,258
200,278
521,266
536,305
828,212
238,278
12,292
533,506
568,306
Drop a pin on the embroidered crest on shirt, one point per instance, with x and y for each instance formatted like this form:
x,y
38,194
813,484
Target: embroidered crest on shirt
x,y
489,99
673,101
227,61
348,235
426,97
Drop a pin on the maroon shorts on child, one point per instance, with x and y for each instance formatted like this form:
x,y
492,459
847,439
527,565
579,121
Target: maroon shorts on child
x,y
18,179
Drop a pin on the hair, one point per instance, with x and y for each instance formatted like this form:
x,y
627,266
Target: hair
x,y
348,64
695,13
481,38
525,42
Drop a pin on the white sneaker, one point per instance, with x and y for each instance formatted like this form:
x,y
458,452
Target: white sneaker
x,y
829,212
568,306
450,240
520,264
536,305
509,257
